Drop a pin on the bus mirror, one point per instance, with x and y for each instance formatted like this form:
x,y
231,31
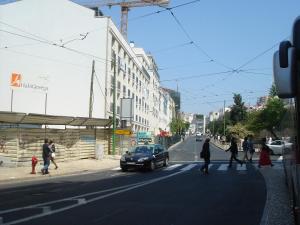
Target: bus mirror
x,y
283,53
285,77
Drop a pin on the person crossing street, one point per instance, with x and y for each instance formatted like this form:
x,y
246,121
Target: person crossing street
x,y
234,150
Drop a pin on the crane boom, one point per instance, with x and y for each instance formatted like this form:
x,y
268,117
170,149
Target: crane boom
x,y
125,6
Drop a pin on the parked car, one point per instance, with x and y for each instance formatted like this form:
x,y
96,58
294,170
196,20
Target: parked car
x,y
198,134
145,156
277,147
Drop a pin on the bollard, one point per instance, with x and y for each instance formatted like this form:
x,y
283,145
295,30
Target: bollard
x,y
34,161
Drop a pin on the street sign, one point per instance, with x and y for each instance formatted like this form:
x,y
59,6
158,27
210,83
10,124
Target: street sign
x,y
123,132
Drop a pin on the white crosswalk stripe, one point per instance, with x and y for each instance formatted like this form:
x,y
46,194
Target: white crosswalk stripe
x,y
172,167
223,167
188,167
241,168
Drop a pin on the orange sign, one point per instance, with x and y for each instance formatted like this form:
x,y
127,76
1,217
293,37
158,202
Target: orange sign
x,y
123,132
15,80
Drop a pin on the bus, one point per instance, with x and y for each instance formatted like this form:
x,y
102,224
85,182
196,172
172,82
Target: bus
x,y
286,71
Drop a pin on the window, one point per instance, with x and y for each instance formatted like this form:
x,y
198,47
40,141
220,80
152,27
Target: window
x,y
128,93
124,91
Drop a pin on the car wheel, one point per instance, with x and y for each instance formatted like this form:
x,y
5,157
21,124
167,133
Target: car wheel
x,y
152,166
124,168
166,162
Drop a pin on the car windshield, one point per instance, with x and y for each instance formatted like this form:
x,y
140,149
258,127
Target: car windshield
x,y
142,149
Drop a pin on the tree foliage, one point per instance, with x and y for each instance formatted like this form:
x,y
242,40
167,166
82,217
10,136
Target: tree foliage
x,y
269,118
239,130
273,91
178,126
238,110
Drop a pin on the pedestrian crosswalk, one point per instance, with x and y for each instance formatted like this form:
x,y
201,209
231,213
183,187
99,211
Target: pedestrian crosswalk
x,y
218,167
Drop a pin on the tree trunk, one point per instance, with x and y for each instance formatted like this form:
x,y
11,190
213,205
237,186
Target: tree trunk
x,y
273,133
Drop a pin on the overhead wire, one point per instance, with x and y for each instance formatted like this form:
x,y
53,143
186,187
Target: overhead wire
x,y
193,42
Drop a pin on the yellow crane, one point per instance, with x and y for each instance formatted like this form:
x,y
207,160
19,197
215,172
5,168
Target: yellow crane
x,y
125,6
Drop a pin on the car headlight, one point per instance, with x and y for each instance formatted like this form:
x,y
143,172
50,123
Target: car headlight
x,y
123,158
143,159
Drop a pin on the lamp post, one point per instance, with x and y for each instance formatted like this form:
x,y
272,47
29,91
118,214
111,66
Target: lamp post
x,y
114,107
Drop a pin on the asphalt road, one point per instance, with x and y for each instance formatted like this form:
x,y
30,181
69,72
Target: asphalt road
x,y
177,195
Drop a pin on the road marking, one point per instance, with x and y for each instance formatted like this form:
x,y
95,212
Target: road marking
x,y
277,167
241,168
117,168
172,167
223,167
188,167
128,188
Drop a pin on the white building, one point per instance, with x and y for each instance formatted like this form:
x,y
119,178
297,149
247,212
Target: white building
x,y
47,50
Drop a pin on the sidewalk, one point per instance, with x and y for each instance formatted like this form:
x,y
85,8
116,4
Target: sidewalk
x,y
19,174
277,208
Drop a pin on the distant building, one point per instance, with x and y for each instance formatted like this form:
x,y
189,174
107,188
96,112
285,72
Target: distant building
x,y
199,123
175,95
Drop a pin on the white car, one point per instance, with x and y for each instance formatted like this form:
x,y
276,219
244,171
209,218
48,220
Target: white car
x,y
198,134
278,146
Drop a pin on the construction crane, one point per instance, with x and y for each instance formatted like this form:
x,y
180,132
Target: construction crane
x,y
125,6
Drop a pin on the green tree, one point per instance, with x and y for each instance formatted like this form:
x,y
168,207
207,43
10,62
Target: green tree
x,y
273,91
177,125
238,110
239,130
272,115
269,118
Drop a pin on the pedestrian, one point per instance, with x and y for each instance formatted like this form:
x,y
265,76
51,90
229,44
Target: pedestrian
x,y
245,146
234,151
264,156
52,153
205,154
251,148
46,156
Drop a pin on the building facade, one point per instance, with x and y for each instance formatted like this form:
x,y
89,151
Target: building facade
x,y
69,70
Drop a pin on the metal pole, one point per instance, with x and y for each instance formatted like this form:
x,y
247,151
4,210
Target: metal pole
x,y
11,100
224,120
92,90
114,108
46,100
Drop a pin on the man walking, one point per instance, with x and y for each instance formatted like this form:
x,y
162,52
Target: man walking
x,y
205,154
234,150
46,156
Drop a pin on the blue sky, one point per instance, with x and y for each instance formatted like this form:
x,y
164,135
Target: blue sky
x,y
226,56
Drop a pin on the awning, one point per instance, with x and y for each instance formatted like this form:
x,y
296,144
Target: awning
x,y
41,119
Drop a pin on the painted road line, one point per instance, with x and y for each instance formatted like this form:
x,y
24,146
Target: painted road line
x,y
188,167
117,168
77,204
277,166
223,167
172,167
241,168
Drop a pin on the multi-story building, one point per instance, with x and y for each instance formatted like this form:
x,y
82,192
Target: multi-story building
x,y
64,53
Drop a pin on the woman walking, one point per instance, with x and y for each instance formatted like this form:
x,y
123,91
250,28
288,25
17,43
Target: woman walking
x,y
264,156
52,155
234,150
205,154
245,147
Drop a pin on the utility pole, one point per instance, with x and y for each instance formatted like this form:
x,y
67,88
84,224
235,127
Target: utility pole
x,y
11,100
224,120
92,90
114,107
